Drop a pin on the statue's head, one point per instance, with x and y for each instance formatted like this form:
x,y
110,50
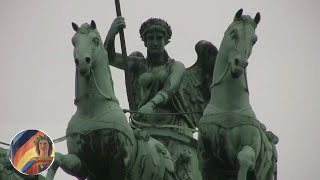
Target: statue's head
x,y
87,45
155,33
43,145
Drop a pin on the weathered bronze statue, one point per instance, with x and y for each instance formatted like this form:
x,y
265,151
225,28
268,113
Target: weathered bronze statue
x,y
101,142
168,103
164,89
233,144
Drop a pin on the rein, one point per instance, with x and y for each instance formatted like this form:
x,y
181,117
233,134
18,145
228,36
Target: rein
x,y
162,126
179,113
3,143
245,76
223,75
63,138
95,83
136,112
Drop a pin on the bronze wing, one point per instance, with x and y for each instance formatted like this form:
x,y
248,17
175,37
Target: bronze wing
x,y
194,92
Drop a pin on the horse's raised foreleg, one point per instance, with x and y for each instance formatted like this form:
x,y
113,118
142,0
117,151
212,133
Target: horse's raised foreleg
x,y
246,159
69,163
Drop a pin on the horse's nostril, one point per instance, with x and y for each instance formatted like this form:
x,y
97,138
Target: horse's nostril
x,y
88,60
76,61
236,61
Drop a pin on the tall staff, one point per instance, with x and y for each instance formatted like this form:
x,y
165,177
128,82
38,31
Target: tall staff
x,y
124,55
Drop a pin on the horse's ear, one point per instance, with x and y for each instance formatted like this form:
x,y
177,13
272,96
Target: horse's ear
x,y
257,18
75,26
93,24
238,14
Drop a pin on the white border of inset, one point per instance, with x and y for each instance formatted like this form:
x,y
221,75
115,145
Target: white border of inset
x,y
52,155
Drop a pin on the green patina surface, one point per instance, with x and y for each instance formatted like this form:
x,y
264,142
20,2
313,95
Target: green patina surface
x,y
233,144
169,102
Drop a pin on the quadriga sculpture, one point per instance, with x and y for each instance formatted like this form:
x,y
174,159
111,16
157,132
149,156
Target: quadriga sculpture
x,y
233,144
100,141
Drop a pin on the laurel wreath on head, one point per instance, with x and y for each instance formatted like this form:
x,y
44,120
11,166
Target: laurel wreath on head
x,y
156,23
38,139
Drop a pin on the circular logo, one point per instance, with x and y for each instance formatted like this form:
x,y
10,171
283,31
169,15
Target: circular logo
x,y
31,152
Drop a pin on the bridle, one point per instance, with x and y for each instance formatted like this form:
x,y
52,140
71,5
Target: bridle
x,y
220,80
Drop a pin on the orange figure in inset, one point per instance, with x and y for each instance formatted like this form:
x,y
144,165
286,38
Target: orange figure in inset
x,y
42,162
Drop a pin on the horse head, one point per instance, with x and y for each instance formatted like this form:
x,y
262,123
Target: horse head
x,y
239,40
87,46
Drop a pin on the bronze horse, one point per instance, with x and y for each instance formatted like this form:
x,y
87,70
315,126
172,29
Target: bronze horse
x,y
101,143
233,144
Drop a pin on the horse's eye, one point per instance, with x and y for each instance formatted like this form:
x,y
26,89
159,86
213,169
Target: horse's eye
x,y
95,41
234,34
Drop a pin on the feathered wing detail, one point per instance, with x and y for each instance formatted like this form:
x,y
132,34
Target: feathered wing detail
x,y
137,57
194,92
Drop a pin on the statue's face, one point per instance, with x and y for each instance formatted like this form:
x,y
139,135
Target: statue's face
x,y
155,42
43,146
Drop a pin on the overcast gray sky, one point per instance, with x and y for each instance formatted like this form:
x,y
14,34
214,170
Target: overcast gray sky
x,y
37,69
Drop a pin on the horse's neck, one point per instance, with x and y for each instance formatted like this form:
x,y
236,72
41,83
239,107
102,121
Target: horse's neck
x,y
229,94
95,90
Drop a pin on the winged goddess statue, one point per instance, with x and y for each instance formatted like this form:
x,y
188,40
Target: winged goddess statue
x,y
169,98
